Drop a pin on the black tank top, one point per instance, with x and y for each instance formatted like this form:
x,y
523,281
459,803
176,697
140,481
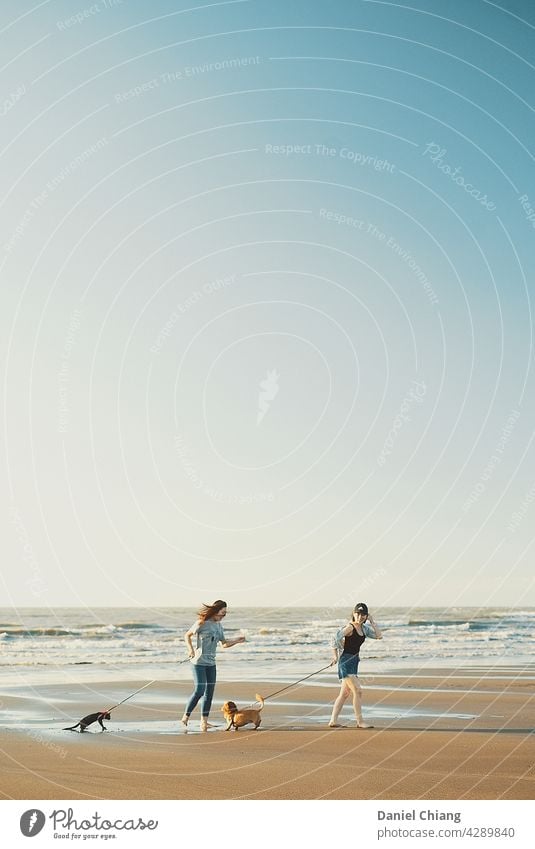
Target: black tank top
x,y
353,643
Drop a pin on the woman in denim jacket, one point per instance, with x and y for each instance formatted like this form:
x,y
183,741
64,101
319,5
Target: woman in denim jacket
x,y
346,648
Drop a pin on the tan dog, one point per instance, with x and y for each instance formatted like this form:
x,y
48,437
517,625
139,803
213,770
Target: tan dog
x,y
238,718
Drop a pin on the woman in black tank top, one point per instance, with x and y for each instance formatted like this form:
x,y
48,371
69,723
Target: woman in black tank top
x,y
353,642
347,647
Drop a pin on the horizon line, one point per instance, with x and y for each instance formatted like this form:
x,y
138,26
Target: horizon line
x,y
265,606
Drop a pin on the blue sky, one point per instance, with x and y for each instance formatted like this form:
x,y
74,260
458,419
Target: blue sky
x,y
266,318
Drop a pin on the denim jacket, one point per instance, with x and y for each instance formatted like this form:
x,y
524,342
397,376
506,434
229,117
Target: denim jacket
x,y
338,639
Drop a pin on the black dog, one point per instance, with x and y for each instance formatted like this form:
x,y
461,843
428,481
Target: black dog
x,y
89,720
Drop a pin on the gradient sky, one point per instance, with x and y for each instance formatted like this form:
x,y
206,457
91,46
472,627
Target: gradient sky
x,y
265,317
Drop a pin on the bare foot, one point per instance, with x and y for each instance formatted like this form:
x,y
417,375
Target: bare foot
x,y
184,721
363,725
335,725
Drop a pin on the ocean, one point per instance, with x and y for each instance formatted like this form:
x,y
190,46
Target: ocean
x,y
40,645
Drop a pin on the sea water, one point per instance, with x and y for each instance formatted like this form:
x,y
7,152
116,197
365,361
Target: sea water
x,y
281,644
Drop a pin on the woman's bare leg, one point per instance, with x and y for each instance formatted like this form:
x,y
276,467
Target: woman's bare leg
x,y
353,684
341,699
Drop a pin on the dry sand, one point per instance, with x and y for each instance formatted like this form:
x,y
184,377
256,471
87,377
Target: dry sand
x,y
464,734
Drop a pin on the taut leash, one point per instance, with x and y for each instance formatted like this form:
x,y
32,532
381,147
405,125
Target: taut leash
x,y
141,688
295,683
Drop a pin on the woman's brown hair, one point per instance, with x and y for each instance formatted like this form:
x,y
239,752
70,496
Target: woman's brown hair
x,y
208,611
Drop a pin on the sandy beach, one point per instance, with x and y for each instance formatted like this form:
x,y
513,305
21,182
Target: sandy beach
x,y
438,734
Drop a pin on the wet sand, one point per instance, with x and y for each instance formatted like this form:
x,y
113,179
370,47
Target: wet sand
x,y
440,734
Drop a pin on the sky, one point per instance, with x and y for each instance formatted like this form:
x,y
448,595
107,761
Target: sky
x,y
266,305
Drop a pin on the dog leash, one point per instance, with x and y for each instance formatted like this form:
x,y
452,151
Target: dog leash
x,y
141,688
131,695
295,683
154,681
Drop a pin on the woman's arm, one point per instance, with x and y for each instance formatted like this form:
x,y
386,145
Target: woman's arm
x,y
377,633
337,646
188,640
189,644
227,644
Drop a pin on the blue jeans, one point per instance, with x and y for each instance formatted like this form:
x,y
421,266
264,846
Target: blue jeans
x,y
204,679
